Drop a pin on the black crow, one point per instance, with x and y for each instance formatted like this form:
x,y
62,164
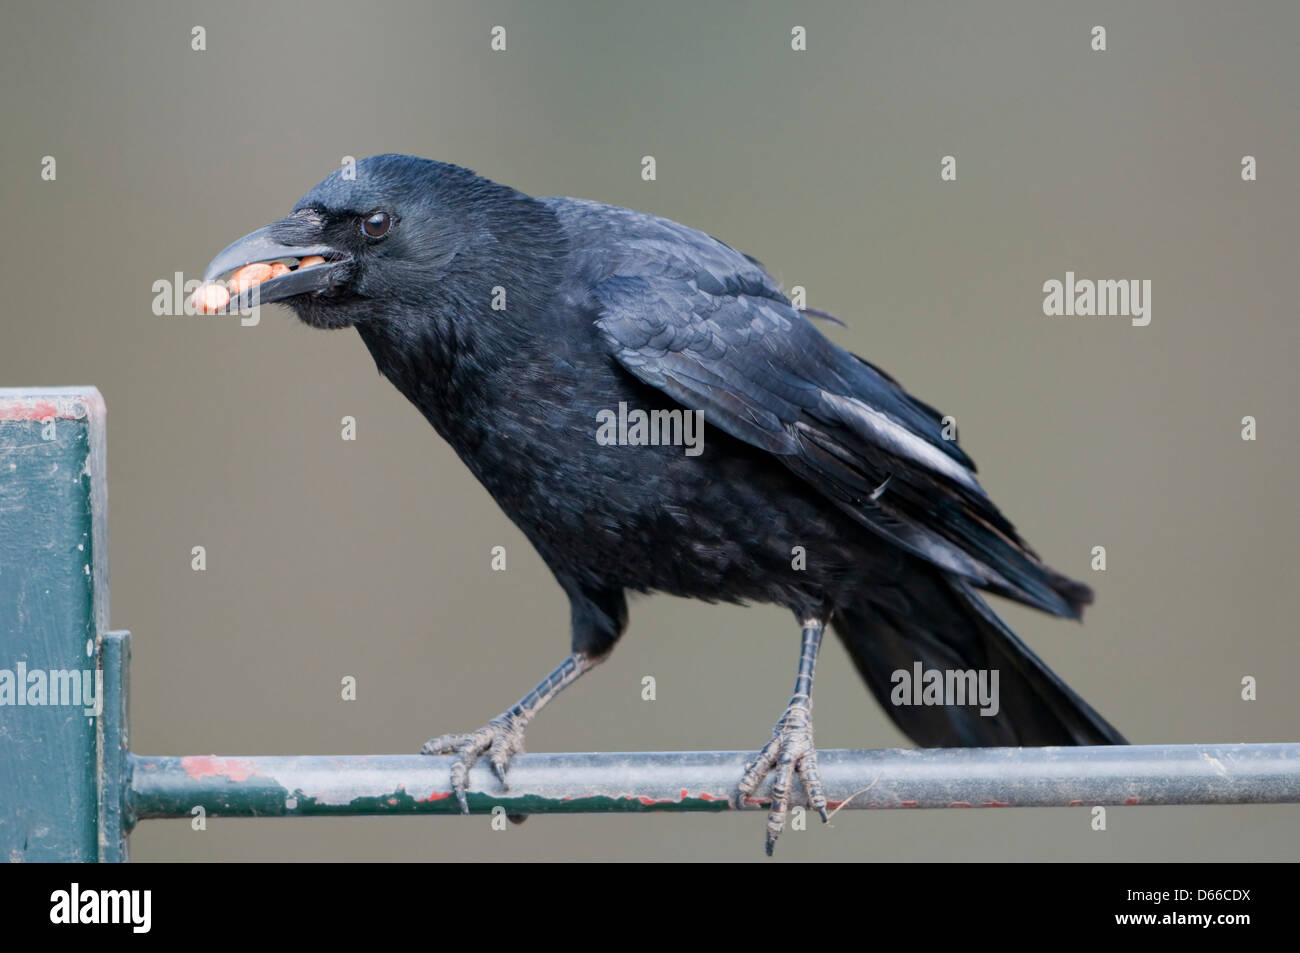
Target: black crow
x,y
568,350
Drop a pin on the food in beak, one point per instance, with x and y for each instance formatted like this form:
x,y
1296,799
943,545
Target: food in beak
x,y
213,297
249,275
210,298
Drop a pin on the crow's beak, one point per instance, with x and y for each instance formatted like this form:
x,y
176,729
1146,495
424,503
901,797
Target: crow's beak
x,y
297,264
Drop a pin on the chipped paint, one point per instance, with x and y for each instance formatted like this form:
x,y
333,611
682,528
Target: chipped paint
x,y
203,766
17,405
1216,763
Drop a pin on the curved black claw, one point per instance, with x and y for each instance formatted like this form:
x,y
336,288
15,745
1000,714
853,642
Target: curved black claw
x,y
500,739
790,752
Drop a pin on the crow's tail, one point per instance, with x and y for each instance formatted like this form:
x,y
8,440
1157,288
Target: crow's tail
x,y
941,623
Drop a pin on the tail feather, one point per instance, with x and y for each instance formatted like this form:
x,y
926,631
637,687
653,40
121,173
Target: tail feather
x,y
940,622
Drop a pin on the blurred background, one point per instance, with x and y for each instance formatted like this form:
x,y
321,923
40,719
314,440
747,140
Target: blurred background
x,y
370,558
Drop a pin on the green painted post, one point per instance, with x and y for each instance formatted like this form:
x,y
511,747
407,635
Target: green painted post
x,y
113,746
53,612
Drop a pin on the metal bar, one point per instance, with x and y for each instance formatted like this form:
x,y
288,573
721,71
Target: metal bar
x,y
704,781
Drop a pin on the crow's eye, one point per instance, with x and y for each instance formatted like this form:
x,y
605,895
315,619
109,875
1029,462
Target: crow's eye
x,y
377,224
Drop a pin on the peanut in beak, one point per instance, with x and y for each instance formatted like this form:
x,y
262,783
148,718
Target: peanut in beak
x,y
212,298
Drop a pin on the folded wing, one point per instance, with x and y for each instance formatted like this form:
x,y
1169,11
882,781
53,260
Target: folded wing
x,y
706,325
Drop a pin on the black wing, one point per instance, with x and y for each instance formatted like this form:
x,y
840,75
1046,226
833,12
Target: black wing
x,y
707,326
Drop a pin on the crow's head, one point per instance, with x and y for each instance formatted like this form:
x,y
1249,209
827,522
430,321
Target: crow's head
x,y
393,236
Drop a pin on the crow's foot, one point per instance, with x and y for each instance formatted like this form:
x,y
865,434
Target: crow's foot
x,y
790,752
500,739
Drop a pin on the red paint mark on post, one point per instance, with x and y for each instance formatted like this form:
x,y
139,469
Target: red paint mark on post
x,y
28,410
20,406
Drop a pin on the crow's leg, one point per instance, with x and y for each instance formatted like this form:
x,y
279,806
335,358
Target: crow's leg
x,y
503,737
791,751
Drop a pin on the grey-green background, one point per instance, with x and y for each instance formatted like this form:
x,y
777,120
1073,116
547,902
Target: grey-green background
x,y
371,558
